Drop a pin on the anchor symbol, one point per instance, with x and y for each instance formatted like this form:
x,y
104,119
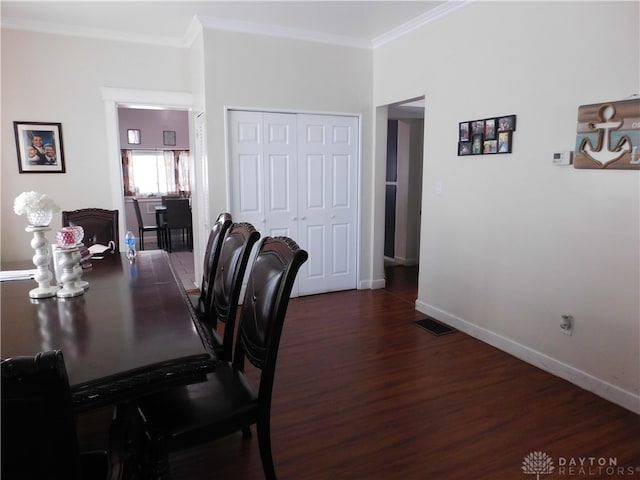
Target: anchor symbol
x,y
602,153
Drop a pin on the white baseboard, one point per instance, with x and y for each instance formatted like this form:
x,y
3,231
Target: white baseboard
x,y
604,389
407,262
372,284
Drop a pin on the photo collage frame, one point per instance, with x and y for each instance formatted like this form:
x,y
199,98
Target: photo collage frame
x,y
487,136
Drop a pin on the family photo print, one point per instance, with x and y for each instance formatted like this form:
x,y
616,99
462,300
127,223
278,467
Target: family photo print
x,y
39,147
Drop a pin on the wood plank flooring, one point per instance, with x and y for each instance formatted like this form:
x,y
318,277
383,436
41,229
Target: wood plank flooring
x,y
361,392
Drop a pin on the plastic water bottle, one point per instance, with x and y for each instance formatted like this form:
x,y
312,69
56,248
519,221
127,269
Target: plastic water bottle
x,y
130,240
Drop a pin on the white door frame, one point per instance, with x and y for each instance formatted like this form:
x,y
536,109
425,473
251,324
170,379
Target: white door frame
x,y
116,97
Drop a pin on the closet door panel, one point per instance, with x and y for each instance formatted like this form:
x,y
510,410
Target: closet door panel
x,y
281,179
314,239
246,169
327,146
250,173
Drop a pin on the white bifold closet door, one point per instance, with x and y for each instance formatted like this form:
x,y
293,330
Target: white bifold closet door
x,y
297,175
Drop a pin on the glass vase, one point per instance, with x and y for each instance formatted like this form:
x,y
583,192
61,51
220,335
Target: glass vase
x,y
39,218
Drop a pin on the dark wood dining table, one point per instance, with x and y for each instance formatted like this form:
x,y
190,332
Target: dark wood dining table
x,y
133,332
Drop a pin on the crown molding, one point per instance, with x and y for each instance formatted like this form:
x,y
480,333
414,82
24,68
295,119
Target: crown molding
x,y
85,32
193,30
430,16
219,23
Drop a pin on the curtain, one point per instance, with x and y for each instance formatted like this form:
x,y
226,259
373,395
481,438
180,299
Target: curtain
x,y
170,168
127,173
177,168
184,172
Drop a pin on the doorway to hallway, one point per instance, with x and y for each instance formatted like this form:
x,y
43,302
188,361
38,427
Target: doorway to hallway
x,y
403,186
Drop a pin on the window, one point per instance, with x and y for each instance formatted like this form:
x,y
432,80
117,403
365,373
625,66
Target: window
x,y
149,172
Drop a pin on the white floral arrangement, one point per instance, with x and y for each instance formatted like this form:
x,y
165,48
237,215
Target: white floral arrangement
x,y
32,201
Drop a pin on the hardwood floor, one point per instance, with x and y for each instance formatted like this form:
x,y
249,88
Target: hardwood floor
x,y
363,393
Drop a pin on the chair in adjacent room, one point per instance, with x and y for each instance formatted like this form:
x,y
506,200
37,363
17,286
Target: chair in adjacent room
x,y
100,226
164,198
161,231
226,402
226,279
39,437
211,255
178,217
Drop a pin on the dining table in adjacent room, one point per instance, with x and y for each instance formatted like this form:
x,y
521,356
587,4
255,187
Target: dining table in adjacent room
x,y
161,212
132,332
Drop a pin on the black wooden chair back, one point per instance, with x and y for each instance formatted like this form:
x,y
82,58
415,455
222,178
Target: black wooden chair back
x,y
136,207
178,217
99,225
38,430
265,305
226,402
211,257
164,199
264,310
227,281
159,229
39,438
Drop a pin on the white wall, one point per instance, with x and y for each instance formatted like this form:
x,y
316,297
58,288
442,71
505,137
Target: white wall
x,y
56,78
515,242
152,125
262,72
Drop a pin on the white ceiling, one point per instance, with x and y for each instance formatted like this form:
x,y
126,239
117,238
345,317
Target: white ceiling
x,y
364,24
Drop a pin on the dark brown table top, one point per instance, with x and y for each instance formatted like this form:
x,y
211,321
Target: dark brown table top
x,y
133,327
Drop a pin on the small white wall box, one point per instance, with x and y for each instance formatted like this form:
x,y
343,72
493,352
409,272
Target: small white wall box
x,y
562,158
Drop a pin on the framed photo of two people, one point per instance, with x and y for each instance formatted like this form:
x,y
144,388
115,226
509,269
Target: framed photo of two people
x,y
39,147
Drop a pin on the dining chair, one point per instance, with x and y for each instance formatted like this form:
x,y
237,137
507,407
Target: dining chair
x,y
39,437
211,256
178,217
227,279
226,402
164,198
161,231
100,226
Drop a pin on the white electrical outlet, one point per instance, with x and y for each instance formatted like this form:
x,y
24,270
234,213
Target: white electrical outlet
x,y
566,324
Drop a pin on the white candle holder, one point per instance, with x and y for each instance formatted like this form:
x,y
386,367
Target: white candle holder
x,y
41,260
83,284
68,259
58,270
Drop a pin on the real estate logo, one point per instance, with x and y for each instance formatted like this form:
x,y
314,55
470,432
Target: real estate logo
x,y
537,463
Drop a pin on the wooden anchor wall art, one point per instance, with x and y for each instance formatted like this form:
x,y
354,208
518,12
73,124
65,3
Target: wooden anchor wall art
x,y
608,136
